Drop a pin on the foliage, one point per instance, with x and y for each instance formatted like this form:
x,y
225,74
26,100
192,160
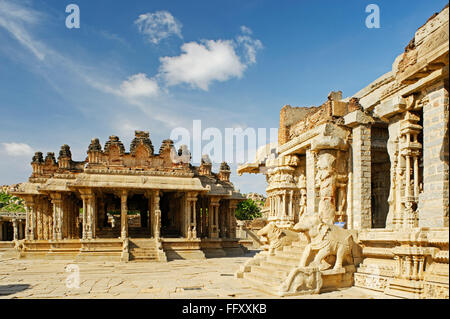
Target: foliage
x,y
10,203
248,210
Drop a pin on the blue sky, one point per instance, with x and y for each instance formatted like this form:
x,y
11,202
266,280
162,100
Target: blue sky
x,y
157,65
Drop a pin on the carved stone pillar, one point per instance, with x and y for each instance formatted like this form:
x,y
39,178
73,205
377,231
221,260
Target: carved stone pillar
x,y
311,205
232,219
124,214
151,220
191,221
213,212
37,219
15,230
435,157
45,220
302,199
21,230
326,184
66,216
32,218
27,221
222,220
58,216
360,123
410,150
282,181
88,214
156,215
395,181
204,230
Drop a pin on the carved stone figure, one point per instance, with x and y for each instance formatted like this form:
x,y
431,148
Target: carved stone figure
x,y
324,240
277,237
304,280
19,245
326,182
302,203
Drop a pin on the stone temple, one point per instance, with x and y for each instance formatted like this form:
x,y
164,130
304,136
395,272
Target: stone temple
x,y
364,180
119,205
357,192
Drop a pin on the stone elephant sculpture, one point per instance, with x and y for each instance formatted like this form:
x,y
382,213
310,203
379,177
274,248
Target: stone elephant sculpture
x,y
325,240
277,237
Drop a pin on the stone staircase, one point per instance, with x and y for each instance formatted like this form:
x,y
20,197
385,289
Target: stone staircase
x,y
145,249
268,273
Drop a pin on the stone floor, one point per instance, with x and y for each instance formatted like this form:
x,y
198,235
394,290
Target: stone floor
x,y
211,278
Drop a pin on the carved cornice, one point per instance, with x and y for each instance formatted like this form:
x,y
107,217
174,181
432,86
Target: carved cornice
x,y
139,173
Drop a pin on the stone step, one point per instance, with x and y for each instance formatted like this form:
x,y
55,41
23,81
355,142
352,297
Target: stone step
x,y
6,244
144,256
262,279
300,243
295,249
270,272
100,253
147,246
283,260
150,257
289,254
276,266
143,249
143,259
261,286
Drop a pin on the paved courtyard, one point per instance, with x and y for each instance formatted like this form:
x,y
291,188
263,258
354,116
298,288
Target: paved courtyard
x,y
210,278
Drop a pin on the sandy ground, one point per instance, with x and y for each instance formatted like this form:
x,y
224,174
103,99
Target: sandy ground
x,y
210,278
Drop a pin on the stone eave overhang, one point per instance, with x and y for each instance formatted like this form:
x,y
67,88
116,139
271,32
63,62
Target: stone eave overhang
x,y
299,144
8,216
141,181
397,103
134,172
26,189
250,168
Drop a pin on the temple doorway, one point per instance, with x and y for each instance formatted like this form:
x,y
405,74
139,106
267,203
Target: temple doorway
x,y
170,205
138,217
380,175
7,232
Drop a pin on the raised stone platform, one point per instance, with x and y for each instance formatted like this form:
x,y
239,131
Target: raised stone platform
x,y
180,248
279,274
139,249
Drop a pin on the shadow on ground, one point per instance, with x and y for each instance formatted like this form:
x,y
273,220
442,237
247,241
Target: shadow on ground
x,y
6,290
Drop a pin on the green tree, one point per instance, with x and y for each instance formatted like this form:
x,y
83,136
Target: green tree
x,y
9,203
247,210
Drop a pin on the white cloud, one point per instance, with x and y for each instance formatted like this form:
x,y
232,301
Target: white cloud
x,y
158,26
249,44
139,85
17,149
202,63
199,64
246,30
14,18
